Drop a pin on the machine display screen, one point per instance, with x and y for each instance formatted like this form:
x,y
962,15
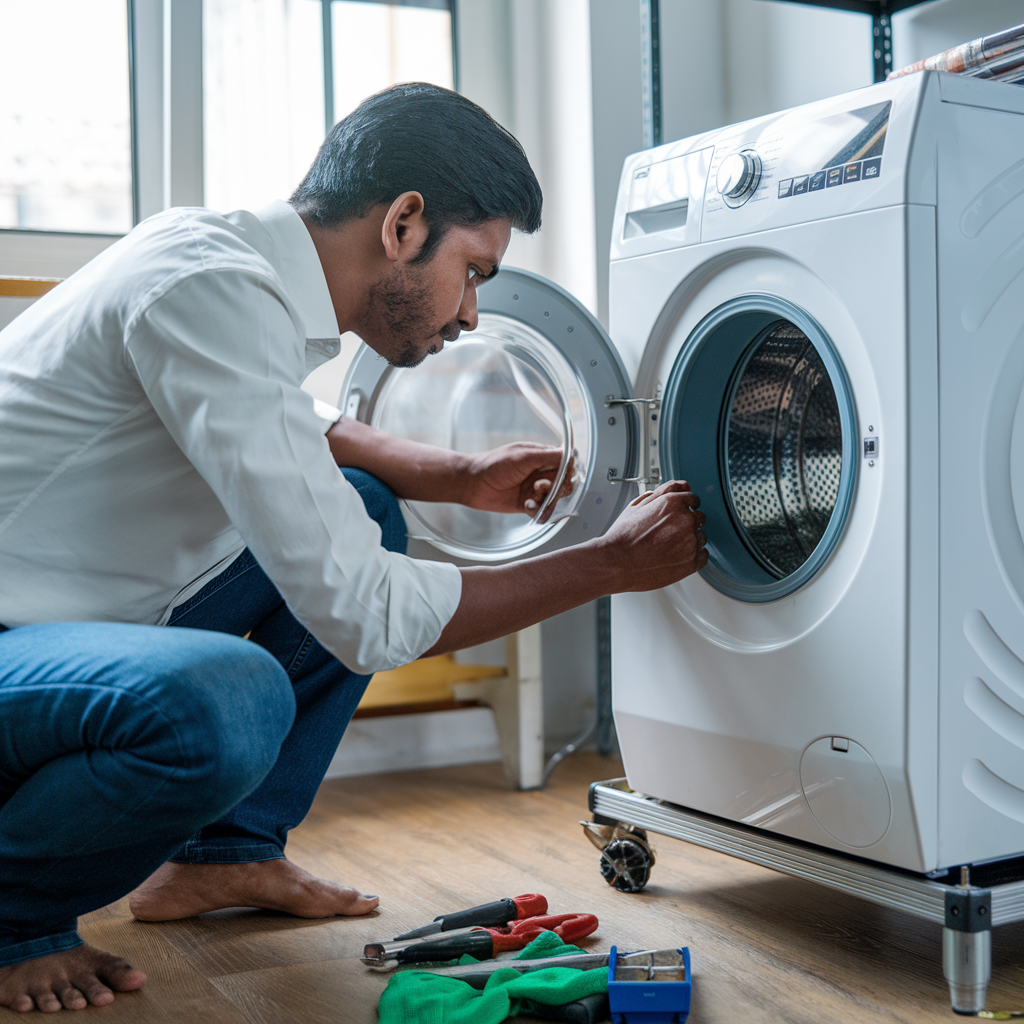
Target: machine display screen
x,y
869,125
838,149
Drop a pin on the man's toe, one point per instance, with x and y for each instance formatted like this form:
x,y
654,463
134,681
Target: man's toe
x,y
46,1001
97,993
71,998
23,1003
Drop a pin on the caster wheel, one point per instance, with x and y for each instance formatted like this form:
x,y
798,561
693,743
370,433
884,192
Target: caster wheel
x,y
626,864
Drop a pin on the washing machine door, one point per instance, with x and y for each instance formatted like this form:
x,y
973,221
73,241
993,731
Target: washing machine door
x,y
538,368
759,413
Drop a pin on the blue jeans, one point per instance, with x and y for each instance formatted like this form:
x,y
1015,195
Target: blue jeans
x,y
123,746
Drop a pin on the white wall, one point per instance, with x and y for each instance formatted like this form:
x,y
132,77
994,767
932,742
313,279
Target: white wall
x,y
779,55
528,63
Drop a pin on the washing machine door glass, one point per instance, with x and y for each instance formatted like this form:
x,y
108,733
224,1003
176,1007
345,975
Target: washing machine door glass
x,y
537,369
759,416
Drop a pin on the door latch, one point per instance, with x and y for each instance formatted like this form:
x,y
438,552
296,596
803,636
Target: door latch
x,y
647,411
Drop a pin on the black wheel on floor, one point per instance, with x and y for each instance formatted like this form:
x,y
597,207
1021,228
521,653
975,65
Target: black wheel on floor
x,y
626,864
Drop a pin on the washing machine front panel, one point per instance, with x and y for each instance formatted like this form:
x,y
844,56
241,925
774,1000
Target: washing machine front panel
x,y
538,368
732,691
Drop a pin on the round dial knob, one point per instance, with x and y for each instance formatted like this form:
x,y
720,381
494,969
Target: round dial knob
x,y
739,174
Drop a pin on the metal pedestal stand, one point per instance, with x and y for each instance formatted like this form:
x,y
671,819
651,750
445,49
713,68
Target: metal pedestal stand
x,y
967,912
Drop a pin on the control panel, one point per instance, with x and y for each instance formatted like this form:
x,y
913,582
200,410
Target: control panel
x,y
799,158
773,171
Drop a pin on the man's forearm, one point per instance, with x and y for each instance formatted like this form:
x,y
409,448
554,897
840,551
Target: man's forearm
x,y
498,600
656,541
419,472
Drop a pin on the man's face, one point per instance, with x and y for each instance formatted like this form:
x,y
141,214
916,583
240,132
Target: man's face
x,y
412,309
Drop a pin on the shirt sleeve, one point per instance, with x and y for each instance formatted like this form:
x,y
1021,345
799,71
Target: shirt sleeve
x,y
327,413
220,357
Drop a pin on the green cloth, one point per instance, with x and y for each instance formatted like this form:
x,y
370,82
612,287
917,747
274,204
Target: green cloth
x,y
418,997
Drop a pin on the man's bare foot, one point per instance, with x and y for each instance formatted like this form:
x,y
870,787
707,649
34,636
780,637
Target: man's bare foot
x,y
72,979
176,890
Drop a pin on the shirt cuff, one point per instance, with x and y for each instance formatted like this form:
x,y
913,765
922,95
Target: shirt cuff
x,y
327,413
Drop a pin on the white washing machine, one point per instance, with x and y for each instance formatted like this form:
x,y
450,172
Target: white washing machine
x,y
829,303
818,322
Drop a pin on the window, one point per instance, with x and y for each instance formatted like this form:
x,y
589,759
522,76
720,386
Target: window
x,y
377,44
65,161
278,73
263,98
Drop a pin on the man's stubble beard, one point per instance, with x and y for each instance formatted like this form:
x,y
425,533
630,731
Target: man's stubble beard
x,y
400,303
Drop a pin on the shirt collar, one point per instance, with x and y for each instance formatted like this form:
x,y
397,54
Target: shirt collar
x,y
300,268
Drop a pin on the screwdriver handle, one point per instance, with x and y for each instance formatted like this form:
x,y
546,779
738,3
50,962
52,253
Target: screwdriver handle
x,y
490,915
478,944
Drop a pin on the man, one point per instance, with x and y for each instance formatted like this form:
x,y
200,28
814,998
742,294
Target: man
x,y
166,490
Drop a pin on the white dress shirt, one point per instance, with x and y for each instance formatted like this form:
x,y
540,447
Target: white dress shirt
x,y
152,426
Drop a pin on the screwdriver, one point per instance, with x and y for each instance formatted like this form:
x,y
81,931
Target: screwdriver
x,y
487,915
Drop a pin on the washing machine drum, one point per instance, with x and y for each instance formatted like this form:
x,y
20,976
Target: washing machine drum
x,y
758,416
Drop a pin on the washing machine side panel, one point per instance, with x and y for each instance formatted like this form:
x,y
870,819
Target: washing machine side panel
x,y
981,376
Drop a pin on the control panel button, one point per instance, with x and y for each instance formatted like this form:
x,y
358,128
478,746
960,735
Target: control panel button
x,y
800,185
738,176
817,181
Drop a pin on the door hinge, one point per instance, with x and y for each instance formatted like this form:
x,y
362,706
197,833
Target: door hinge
x,y
649,466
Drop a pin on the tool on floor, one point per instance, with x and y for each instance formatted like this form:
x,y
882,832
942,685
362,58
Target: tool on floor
x,y
487,915
481,943
652,987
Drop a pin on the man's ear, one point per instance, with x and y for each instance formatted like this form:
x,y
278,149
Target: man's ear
x,y
404,230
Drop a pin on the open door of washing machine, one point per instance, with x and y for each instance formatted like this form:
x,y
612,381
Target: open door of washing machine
x,y
538,368
759,415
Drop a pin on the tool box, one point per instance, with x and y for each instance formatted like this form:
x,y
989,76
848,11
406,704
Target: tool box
x,y
651,987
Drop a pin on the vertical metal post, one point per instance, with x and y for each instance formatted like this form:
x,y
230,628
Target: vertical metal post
x,y
133,113
881,24
328,34
453,8
650,70
605,722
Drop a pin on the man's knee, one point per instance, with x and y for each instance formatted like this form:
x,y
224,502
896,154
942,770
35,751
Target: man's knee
x,y
233,705
382,507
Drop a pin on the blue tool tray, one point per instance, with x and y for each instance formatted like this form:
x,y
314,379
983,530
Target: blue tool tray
x,y
649,987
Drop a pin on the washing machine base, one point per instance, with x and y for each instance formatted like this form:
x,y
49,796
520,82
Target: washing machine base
x,y
967,912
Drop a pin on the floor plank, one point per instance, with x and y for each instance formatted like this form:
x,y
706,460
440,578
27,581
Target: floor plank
x,y
766,948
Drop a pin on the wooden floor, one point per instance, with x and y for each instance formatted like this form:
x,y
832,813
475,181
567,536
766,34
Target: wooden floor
x,y
765,947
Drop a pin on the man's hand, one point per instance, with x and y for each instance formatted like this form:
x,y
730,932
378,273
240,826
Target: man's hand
x,y
658,539
515,478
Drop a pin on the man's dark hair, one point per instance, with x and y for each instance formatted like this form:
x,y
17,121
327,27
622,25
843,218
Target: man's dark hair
x,y
421,138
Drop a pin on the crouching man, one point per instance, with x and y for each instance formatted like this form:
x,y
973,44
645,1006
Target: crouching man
x,y
166,490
